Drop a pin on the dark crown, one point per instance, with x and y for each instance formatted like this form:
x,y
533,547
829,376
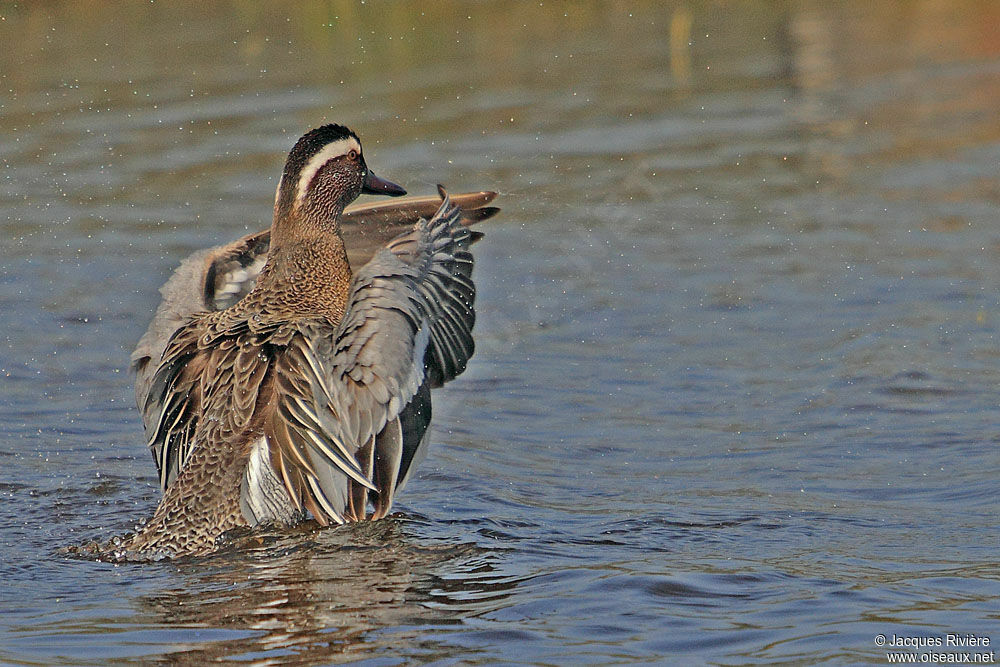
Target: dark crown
x,y
313,142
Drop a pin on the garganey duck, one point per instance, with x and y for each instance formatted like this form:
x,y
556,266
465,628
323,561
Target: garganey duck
x,y
274,382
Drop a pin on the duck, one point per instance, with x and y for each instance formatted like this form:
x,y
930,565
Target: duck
x,y
288,374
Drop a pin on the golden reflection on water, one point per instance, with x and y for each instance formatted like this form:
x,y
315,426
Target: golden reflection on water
x,y
411,73
902,117
680,45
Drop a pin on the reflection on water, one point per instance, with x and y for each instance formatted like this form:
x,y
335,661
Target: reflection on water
x,y
734,397
324,596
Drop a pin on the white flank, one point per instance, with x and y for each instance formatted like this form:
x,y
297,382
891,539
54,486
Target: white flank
x,y
330,151
256,464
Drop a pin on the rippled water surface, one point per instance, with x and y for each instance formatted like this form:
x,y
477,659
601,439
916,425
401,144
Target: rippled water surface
x,y
735,398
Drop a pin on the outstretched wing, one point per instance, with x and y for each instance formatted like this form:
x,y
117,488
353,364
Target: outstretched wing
x,y
369,227
216,278
355,401
208,280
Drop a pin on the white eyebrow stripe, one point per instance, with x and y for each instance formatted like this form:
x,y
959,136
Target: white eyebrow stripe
x,y
330,151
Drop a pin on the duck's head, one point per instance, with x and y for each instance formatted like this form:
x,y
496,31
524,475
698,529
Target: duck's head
x,y
325,172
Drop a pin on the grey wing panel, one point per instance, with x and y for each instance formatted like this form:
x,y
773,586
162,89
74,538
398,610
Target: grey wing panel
x,y
425,275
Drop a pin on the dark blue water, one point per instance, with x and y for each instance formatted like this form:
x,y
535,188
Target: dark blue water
x,y
735,395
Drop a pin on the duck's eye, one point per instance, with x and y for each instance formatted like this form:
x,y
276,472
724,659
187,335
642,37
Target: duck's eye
x,y
352,154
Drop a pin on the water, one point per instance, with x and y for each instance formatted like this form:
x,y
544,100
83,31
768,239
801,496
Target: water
x,y
735,393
